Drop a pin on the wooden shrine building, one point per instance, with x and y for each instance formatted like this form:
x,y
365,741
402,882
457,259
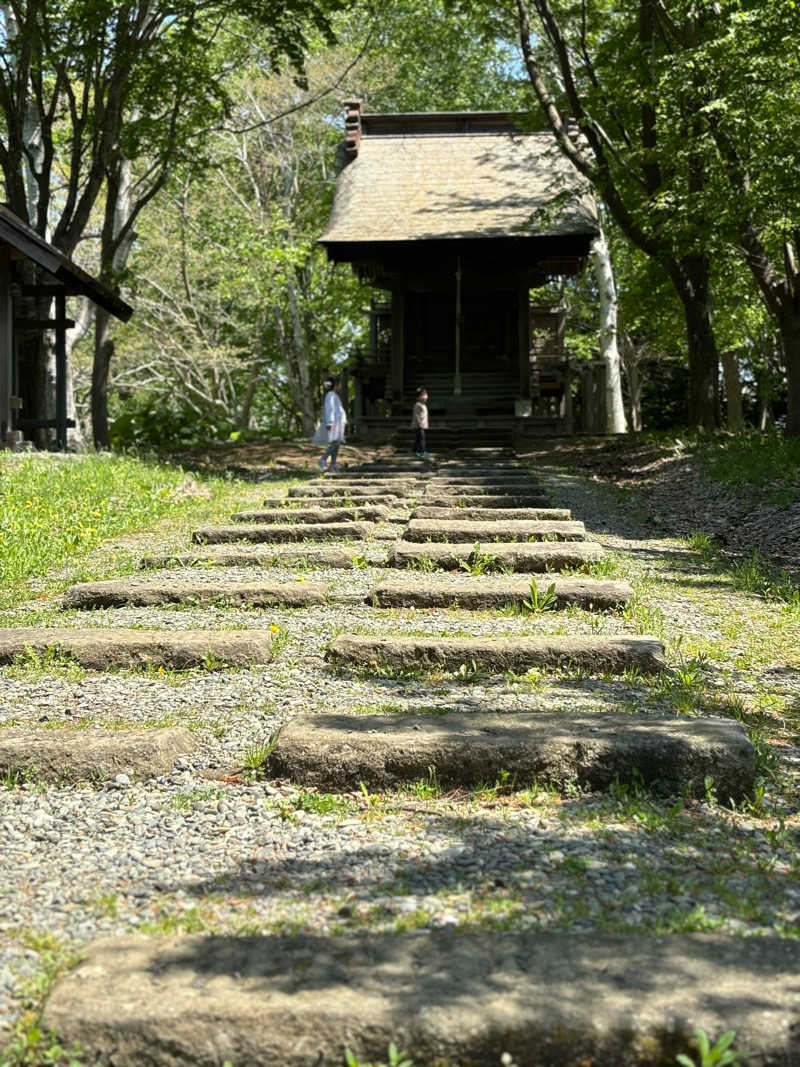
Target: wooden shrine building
x,y
35,275
454,218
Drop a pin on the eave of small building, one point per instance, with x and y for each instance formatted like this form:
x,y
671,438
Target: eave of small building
x,y
20,237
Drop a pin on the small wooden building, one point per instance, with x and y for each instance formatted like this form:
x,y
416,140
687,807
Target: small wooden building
x,y
456,217
35,275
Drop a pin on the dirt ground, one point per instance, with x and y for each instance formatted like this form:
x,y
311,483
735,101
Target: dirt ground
x,y
670,487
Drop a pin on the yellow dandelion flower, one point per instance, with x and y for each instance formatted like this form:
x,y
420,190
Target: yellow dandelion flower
x,y
274,628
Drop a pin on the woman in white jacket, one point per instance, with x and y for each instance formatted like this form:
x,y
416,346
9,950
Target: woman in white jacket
x,y
334,419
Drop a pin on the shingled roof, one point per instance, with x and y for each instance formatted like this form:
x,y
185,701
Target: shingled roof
x,y
448,176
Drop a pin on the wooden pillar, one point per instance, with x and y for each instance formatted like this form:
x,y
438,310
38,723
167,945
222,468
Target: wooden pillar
x,y
6,343
398,343
61,372
566,401
457,324
524,341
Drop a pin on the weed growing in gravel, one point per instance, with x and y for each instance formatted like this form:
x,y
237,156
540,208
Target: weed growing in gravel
x,y
426,788
533,679
192,798
720,1054
31,666
505,783
317,804
469,672
30,1044
538,602
395,1058
478,562
280,638
696,921
15,777
189,921
750,575
644,618
754,576
257,756
684,687
422,564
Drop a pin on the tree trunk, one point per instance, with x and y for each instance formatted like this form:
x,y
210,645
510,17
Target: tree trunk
x,y
789,326
630,362
76,440
103,352
609,352
733,390
300,360
116,240
690,276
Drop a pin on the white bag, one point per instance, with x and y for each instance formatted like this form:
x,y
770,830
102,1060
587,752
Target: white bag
x,y
320,434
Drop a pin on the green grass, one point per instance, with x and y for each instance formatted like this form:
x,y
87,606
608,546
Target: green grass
x,y
54,512
751,574
30,1044
767,462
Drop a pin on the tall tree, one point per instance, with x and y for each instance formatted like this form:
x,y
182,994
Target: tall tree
x,y
241,314
643,148
74,73
609,349
754,120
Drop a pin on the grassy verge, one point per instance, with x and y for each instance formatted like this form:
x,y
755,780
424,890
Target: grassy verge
x,y
767,463
54,512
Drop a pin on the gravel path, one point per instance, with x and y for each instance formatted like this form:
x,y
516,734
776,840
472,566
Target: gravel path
x,y
210,847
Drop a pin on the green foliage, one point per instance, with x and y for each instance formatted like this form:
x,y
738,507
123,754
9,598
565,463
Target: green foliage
x,y
540,602
478,562
256,758
31,1045
720,1054
30,664
395,1058
426,788
767,463
148,420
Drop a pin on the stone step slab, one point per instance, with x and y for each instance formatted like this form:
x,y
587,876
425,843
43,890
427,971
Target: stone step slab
x,y
524,481
445,997
487,593
293,505
334,489
99,648
374,513
488,488
335,556
92,755
118,594
336,752
351,481
453,530
598,654
492,514
278,533
485,500
523,556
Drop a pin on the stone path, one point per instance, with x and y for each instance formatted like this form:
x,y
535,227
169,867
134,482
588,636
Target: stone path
x,y
235,791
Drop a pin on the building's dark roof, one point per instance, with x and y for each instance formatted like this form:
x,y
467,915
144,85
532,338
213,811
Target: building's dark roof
x,y
20,236
455,176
